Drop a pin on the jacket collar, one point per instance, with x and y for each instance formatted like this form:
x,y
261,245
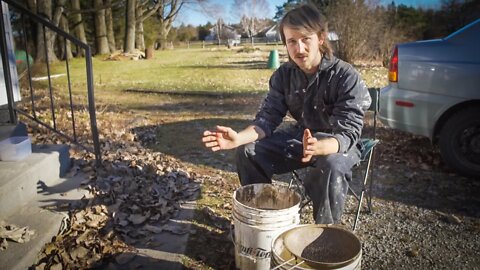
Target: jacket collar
x,y
325,64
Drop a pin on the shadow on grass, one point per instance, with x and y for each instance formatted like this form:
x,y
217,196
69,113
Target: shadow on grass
x,y
235,65
200,94
201,102
182,140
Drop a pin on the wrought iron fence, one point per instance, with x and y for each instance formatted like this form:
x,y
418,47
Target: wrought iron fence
x,y
32,113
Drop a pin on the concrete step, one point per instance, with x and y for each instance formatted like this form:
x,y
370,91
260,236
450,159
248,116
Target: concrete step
x,y
9,130
20,180
43,214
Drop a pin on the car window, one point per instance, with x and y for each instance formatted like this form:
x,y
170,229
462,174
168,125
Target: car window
x,y
470,32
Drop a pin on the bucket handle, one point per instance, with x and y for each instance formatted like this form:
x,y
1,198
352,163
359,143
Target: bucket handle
x,y
232,234
282,264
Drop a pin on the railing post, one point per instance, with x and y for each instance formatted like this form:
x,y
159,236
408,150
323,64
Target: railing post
x,y
6,69
91,105
89,71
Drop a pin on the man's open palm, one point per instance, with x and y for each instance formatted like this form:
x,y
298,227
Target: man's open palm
x,y
223,138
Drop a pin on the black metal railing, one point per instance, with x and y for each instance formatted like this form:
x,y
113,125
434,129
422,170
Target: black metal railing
x,y
13,109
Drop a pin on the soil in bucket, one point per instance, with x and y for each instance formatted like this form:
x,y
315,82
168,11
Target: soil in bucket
x,y
266,197
260,213
324,247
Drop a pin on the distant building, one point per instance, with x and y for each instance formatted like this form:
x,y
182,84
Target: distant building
x,y
272,34
227,34
332,36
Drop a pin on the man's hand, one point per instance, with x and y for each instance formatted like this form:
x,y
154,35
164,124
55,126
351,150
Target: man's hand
x,y
308,141
223,138
315,147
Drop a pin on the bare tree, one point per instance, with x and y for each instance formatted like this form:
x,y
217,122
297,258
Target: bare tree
x,y
65,49
46,43
144,10
355,24
219,30
78,25
100,28
249,12
139,38
137,12
109,25
215,12
166,14
129,44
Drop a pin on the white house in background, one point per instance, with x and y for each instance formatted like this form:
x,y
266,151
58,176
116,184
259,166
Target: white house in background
x,y
227,32
272,33
332,36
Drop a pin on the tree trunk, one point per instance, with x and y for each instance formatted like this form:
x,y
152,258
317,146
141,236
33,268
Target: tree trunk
x,y
139,38
163,39
149,52
219,32
109,22
165,27
130,26
100,28
32,6
45,42
166,18
252,29
78,26
65,54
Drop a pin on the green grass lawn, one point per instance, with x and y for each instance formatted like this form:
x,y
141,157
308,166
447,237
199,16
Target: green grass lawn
x,y
214,69
181,90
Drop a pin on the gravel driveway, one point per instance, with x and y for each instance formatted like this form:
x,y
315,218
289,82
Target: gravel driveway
x,y
424,216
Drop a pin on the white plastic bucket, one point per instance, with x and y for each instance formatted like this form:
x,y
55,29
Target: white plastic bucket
x,y
261,212
318,247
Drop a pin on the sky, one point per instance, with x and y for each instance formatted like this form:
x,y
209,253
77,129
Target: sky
x,y
195,15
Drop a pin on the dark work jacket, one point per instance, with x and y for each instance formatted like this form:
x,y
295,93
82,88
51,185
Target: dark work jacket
x,y
332,103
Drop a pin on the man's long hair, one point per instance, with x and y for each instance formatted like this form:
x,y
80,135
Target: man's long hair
x,y
307,19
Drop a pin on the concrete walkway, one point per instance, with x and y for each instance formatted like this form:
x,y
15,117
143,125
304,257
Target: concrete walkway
x,y
43,213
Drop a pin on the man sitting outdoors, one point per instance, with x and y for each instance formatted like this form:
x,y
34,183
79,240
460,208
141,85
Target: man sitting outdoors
x,y
328,100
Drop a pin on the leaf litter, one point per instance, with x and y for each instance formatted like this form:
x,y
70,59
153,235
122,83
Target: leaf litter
x,y
11,232
132,196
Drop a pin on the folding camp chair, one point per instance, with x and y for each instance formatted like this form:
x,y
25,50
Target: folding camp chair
x,y
366,156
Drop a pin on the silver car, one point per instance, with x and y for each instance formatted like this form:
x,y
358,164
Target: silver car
x,y
434,91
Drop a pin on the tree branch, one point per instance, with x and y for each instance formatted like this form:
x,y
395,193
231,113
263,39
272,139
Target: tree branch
x,y
117,4
150,11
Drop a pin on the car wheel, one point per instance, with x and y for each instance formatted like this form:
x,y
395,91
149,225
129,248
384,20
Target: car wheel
x,y
460,141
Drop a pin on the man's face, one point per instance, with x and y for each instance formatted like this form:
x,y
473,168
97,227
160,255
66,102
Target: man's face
x,y
303,49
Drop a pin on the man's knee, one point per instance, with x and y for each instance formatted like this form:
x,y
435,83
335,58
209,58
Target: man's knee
x,y
245,151
333,162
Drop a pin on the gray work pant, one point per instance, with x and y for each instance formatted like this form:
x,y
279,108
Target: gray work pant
x,y
327,179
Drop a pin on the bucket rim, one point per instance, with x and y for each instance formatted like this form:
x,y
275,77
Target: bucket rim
x,y
276,211
273,211
323,265
279,224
